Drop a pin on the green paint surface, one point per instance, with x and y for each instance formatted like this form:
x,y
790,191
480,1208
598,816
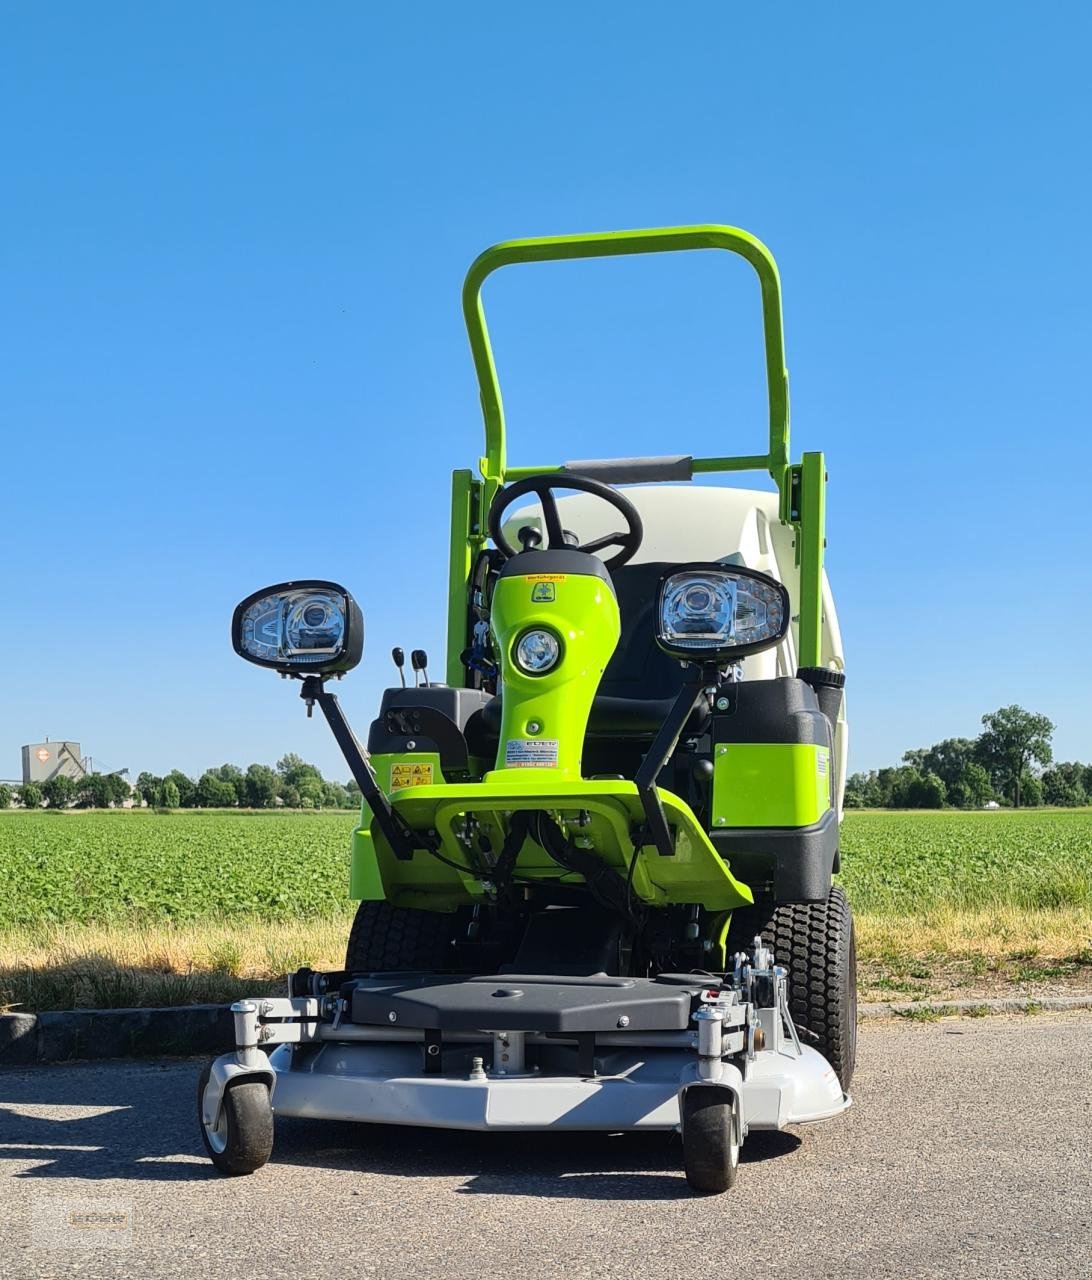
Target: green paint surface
x,y
770,784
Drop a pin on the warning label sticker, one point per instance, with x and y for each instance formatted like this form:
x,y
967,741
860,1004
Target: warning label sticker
x,y
530,753
411,775
546,577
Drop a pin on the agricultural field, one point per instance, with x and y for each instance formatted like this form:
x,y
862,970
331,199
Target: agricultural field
x,y
123,907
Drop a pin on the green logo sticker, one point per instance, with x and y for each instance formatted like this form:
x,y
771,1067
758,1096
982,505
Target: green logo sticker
x,y
543,591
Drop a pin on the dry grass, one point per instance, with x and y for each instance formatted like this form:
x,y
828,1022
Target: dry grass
x,y
125,966
997,951
942,952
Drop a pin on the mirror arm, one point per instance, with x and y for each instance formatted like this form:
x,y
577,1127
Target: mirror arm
x,y
690,695
387,820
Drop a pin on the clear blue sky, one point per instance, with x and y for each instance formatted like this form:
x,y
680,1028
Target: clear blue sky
x,y
232,239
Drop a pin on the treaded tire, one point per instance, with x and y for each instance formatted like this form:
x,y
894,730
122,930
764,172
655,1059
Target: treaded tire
x,y
710,1139
243,1141
385,938
816,942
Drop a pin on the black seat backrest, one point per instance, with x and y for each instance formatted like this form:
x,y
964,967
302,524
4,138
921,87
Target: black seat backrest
x,y
639,668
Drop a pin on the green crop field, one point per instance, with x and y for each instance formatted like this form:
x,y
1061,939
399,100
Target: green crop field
x,y
108,909
189,866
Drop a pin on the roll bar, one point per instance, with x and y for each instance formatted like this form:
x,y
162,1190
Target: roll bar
x,y
801,486
610,244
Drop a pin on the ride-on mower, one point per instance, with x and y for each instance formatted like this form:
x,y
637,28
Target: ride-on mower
x,y
595,865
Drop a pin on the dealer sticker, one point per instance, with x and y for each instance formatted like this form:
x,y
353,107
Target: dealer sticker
x,y
543,591
410,775
530,753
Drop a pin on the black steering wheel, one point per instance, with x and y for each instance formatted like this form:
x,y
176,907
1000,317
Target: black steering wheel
x,y
542,486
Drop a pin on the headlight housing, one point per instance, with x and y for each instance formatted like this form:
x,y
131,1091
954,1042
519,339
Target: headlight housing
x,y
310,627
537,651
719,613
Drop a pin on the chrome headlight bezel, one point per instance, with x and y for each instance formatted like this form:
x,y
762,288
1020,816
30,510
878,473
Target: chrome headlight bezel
x,y
554,641
724,640
271,628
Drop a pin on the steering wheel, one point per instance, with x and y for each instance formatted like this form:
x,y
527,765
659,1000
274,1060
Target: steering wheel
x,y
542,486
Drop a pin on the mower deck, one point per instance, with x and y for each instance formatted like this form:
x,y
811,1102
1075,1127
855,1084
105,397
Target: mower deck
x,y
510,1051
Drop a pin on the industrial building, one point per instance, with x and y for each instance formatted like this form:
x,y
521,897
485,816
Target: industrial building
x,y
45,760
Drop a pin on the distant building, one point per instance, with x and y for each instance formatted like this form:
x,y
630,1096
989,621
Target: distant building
x,y
45,760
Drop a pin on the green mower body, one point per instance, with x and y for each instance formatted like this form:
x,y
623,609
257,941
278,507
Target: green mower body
x,y
655,780
574,853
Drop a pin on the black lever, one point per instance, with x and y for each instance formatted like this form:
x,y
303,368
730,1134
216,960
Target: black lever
x,y
419,659
399,661
529,537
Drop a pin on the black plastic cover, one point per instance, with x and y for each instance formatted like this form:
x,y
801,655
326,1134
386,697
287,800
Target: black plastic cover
x,y
519,1002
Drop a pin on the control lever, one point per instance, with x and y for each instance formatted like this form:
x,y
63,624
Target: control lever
x,y
419,660
399,658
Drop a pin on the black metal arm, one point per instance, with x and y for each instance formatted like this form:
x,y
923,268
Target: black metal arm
x,y
690,695
394,830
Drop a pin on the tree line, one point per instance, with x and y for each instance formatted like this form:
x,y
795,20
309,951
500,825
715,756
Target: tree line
x,y
293,783
1010,762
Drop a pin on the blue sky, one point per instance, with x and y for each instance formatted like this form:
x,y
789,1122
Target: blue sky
x,y
231,244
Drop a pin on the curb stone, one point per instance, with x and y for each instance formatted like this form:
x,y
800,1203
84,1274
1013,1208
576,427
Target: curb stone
x,y
953,1008
71,1035
82,1034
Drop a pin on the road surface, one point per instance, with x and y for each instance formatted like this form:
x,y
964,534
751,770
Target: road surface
x,y
967,1153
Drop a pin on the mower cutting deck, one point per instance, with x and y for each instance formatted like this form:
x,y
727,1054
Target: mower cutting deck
x,y
575,856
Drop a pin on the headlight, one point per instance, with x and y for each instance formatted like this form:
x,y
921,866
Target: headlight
x,y
309,626
537,652
720,613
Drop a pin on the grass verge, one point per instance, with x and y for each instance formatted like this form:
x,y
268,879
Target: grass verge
x,y
943,953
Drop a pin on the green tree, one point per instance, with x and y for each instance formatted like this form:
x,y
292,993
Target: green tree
x,y
296,772
93,791
118,788
1064,785
290,795
233,774
187,789
167,797
946,759
59,791
927,792
214,793
262,785
312,792
1031,791
334,796
6,795
30,796
147,784
1013,740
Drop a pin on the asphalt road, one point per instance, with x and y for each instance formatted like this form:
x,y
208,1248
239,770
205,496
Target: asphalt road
x,y
968,1152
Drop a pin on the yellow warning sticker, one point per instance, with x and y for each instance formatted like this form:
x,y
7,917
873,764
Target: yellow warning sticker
x,y
545,577
410,775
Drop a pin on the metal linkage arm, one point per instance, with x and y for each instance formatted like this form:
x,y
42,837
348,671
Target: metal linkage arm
x,y
394,830
690,695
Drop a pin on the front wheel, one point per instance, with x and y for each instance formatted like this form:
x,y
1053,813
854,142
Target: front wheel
x,y
710,1138
241,1141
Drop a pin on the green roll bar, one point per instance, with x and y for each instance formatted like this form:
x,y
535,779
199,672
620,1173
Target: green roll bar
x,y
801,503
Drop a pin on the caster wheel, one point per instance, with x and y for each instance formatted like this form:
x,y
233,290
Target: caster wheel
x,y
710,1138
242,1139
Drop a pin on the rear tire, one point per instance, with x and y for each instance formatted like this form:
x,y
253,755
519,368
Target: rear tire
x,y
242,1140
816,942
710,1138
385,938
